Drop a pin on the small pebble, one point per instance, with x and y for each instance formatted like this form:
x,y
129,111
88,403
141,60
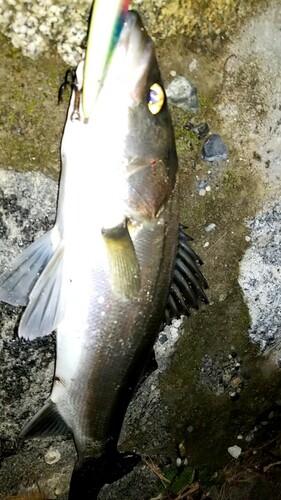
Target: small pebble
x,y
173,73
178,462
192,65
210,227
201,184
235,451
239,436
206,244
214,149
234,396
177,323
182,449
52,457
226,378
190,428
182,94
208,189
163,338
201,130
188,126
236,382
202,192
249,437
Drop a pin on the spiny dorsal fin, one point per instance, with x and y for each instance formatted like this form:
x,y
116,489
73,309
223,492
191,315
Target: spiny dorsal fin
x,y
188,283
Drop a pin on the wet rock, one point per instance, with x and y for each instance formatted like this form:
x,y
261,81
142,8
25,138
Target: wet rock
x,y
214,149
181,93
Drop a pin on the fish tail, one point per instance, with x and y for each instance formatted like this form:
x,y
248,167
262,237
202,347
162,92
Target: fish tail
x,y
91,474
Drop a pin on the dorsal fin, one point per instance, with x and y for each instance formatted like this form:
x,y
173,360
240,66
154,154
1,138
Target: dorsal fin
x,y
188,283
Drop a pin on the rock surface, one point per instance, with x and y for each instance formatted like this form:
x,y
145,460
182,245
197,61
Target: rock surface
x,y
32,26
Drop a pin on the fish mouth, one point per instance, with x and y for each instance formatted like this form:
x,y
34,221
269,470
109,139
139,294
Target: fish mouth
x,y
134,36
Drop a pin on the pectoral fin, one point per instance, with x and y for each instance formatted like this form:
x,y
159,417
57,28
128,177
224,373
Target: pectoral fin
x,y
17,282
124,268
45,308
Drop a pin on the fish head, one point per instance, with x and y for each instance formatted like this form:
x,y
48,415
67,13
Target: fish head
x,y
141,156
126,145
150,158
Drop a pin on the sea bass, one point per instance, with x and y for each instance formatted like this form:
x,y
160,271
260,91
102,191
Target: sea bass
x,y
115,264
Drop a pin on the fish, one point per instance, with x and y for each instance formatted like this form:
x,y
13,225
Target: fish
x,y
115,266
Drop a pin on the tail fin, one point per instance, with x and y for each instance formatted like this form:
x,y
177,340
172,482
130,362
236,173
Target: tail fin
x,y
90,475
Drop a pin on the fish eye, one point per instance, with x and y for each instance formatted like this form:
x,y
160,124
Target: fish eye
x,y
156,98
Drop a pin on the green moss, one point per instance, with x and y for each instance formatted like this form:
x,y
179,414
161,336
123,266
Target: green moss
x,y
177,479
206,103
230,177
197,20
181,479
31,120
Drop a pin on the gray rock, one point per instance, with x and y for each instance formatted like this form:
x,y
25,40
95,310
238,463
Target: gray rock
x,y
260,277
234,451
214,149
180,92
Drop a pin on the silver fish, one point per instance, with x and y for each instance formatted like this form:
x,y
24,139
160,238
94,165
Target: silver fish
x,y
101,278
